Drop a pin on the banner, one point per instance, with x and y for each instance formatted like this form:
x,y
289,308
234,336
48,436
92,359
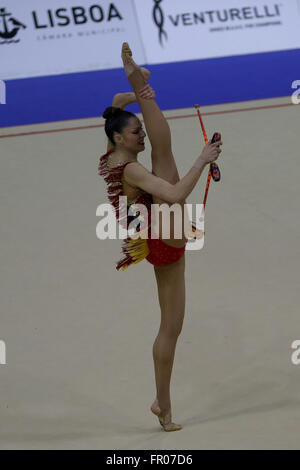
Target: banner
x,y
42,38
51,37
173,30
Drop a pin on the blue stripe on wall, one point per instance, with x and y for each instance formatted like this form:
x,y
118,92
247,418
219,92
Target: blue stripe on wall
x,y
177,85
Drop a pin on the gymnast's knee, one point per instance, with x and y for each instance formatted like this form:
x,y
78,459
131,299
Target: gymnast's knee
x,y
171,331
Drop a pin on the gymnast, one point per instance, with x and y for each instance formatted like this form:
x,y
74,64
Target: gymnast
x,y
125,176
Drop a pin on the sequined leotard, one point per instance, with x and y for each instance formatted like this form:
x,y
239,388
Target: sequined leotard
x,y
154,250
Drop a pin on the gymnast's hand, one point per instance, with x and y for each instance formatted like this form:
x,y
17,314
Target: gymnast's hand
x,y
147,93
211,152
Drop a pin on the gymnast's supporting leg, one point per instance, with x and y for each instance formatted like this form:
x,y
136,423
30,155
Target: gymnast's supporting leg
x,y
171,293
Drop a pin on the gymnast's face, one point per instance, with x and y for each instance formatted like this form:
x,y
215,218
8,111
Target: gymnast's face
x,y
132,136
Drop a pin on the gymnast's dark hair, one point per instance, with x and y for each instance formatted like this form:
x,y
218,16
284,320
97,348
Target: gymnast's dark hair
x,y
116,120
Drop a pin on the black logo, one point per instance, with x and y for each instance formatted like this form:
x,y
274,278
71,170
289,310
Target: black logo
x,y
159,19
5,32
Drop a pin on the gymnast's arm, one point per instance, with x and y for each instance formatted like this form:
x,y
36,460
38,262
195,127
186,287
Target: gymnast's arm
x,y
139,177
121,100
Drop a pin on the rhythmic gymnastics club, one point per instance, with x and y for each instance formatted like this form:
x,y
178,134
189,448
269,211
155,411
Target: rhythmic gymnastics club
x,y
213,168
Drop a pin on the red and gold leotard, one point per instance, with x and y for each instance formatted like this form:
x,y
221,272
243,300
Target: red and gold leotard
x,y
154,250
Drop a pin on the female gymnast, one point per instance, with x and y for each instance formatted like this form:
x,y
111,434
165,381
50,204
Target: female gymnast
x,y
125,176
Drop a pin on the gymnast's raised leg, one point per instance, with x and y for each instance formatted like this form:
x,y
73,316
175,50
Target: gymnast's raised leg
x,y
158,131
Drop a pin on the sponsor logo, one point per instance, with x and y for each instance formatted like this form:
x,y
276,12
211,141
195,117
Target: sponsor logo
x,y
48,20
227,19
9,27
77,15
159,20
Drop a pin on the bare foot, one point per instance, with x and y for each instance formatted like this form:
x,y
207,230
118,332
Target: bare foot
x,y
129,65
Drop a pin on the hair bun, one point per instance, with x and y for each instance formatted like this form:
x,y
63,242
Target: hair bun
x,y
110,112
